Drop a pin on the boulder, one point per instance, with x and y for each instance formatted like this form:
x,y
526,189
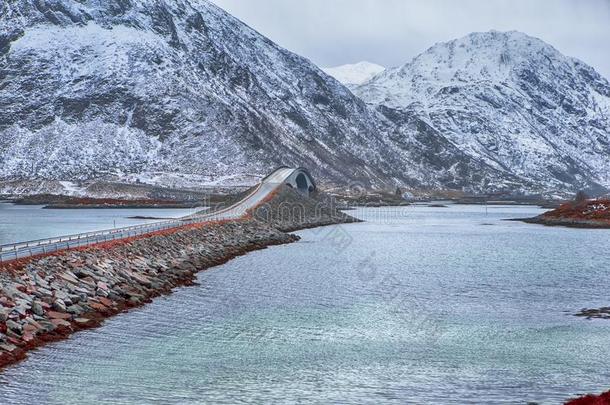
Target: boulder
x,y
83,322
7,347
61,322
58,315
14,326
4,313
37,308
59,305
98,307
75,309
105,301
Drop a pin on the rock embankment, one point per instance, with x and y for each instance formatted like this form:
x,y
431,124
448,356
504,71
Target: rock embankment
x,y
51,297
48,298
288,211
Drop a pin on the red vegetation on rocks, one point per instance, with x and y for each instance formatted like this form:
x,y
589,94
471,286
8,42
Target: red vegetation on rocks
x,y
590,210
49,298
603,399
136,282
250,213
14,266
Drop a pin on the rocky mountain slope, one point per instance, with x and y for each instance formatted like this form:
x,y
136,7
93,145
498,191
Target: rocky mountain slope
x,y
354,74
156,90
508,107
179,93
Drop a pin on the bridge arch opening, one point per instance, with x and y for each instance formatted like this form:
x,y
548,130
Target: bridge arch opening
x,y
302,184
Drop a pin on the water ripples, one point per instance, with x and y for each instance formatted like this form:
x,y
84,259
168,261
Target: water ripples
x,y
449,311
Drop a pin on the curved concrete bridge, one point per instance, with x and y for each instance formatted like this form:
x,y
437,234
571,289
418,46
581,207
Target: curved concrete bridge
x,y
297,178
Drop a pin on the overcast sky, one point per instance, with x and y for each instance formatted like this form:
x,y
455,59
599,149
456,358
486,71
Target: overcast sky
x,y
391,32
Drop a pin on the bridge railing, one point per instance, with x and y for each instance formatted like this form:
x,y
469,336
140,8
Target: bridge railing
x,y
19,245
20,250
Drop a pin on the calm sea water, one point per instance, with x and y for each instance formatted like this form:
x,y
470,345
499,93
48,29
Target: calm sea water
x,y
23,222
418,305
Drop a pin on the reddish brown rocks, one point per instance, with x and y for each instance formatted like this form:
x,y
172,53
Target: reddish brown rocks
x,y
98,307
58,315
577,214
106,302
61,322
48,298
603,399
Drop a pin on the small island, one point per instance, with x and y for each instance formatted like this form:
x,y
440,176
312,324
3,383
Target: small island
x,y
580,213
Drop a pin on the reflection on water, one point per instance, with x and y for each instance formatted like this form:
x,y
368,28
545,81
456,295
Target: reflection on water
x,y
419,305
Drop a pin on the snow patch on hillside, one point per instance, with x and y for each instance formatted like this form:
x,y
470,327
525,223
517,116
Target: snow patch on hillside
x,y
354,74
75,150
178,92
198,94
192,181
72,189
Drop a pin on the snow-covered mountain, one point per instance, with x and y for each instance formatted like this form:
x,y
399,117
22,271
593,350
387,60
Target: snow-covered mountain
x,y
355,74
167,89
178,92
525,114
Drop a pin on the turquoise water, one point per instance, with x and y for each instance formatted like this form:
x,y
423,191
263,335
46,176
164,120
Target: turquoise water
x,y
20,223
418,305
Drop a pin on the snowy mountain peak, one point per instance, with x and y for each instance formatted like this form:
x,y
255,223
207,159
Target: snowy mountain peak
x,y
482,56
510,101
354,74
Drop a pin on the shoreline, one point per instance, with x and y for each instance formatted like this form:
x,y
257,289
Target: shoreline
x,y
564,222
582,213
73,298
48,298
51,201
